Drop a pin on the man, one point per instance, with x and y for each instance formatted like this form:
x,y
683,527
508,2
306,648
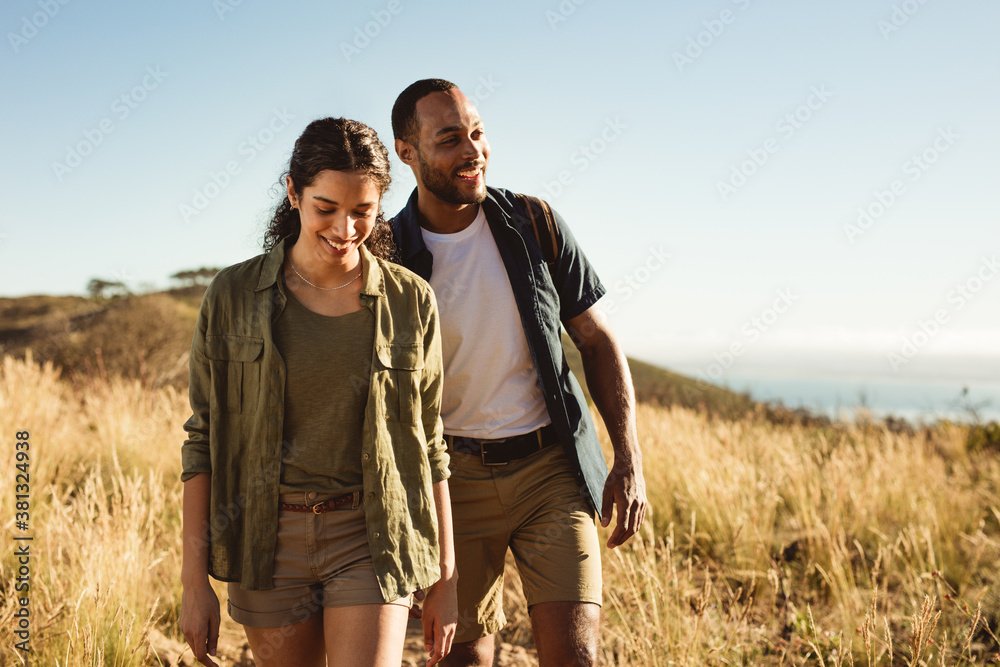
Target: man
x,y
527,469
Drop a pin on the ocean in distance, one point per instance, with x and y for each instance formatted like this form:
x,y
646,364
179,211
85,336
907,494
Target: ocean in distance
x,y
919,401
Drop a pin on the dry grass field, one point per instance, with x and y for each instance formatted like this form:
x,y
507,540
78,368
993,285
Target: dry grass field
x,y
767,545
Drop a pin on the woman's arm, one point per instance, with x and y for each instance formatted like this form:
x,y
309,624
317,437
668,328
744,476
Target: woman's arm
x,y
200,616
440,613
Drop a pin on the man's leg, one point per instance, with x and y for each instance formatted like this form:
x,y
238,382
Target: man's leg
x,y
566,633
477,653
558,555
481,538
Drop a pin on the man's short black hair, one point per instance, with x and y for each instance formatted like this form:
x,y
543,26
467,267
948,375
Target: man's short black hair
x,y
404,111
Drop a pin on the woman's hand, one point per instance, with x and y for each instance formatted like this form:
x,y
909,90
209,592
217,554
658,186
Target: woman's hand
x,y
440,618
199,621
200,617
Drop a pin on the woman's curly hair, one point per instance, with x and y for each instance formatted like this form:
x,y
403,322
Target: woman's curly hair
x,y
338,144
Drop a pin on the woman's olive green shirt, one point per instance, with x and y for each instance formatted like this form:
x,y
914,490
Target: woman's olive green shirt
x,y
235,431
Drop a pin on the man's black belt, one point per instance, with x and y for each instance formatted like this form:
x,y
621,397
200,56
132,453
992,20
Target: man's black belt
x,y
501,451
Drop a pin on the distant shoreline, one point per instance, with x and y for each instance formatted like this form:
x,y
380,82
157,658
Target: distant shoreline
x,y
915,400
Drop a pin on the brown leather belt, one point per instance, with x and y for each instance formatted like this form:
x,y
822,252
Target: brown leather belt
x,y
501,451
328,505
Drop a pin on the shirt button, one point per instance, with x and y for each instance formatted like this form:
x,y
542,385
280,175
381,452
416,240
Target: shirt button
x,y
376,535
371,496
367,457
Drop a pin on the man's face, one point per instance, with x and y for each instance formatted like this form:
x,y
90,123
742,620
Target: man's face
x,y
452,150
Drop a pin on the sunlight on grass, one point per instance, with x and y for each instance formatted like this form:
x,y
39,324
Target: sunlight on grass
x,y
765,545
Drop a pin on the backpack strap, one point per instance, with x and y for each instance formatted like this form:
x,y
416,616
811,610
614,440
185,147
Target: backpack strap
x,y
543,223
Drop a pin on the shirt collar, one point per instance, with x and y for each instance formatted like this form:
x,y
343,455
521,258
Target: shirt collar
x,y
407,222
372,283
273,261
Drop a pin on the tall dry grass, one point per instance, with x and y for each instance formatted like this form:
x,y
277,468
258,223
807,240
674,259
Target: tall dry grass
x,y
765,545
793,546
104,517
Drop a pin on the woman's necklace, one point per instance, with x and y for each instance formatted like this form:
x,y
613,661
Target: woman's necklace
x,y
325,289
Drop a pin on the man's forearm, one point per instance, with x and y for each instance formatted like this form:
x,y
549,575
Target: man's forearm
x,y
610,383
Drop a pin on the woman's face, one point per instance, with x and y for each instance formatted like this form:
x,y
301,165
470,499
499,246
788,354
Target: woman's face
x,y
338,211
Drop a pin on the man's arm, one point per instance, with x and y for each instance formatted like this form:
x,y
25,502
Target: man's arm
x,y
610,384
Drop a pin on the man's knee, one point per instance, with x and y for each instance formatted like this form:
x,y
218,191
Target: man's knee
x,y
477,653
566,633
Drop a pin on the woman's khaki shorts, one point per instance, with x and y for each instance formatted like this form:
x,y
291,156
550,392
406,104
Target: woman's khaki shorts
x,y
321,560
535,507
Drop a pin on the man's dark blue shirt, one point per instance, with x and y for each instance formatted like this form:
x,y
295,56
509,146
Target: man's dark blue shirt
x,y
546,297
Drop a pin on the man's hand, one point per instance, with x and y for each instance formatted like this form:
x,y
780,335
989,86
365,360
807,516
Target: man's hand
x,y
610,382
199,621
625,489
440,618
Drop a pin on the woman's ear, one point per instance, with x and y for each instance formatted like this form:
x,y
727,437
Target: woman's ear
x,y
293,199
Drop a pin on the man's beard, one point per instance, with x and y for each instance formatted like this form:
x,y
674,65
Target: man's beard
x,y
444,189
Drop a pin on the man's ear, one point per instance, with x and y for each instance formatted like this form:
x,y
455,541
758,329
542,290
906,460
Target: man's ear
x,y
406,151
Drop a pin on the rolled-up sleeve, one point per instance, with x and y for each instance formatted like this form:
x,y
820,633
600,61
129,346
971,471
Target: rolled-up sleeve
x,y
195,452
430,393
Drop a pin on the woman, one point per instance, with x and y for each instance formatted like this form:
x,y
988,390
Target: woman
x,y
315,469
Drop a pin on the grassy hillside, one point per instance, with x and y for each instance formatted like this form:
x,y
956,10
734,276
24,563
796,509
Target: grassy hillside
x,y
662,387
147,337
143,337
765,544
771,539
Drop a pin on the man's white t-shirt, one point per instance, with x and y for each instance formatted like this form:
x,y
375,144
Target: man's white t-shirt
x,y
491,388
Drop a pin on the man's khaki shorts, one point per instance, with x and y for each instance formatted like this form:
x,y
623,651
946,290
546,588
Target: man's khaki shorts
x,y
321,560
535,507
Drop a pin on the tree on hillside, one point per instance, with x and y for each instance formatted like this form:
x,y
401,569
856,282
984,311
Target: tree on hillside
x,y
190,278
106,289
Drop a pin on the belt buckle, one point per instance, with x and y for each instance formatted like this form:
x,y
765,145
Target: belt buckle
x,y
483,454
319,507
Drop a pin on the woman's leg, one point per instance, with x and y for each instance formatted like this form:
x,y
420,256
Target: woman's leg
x,y
289,646
365,635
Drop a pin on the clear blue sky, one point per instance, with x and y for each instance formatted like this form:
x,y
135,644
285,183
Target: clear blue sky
x,y
738,138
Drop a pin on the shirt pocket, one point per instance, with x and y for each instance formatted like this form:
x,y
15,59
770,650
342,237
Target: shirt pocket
x,y
403,365
235,367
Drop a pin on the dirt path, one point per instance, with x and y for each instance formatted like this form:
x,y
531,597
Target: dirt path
x,y
234,652
509,655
